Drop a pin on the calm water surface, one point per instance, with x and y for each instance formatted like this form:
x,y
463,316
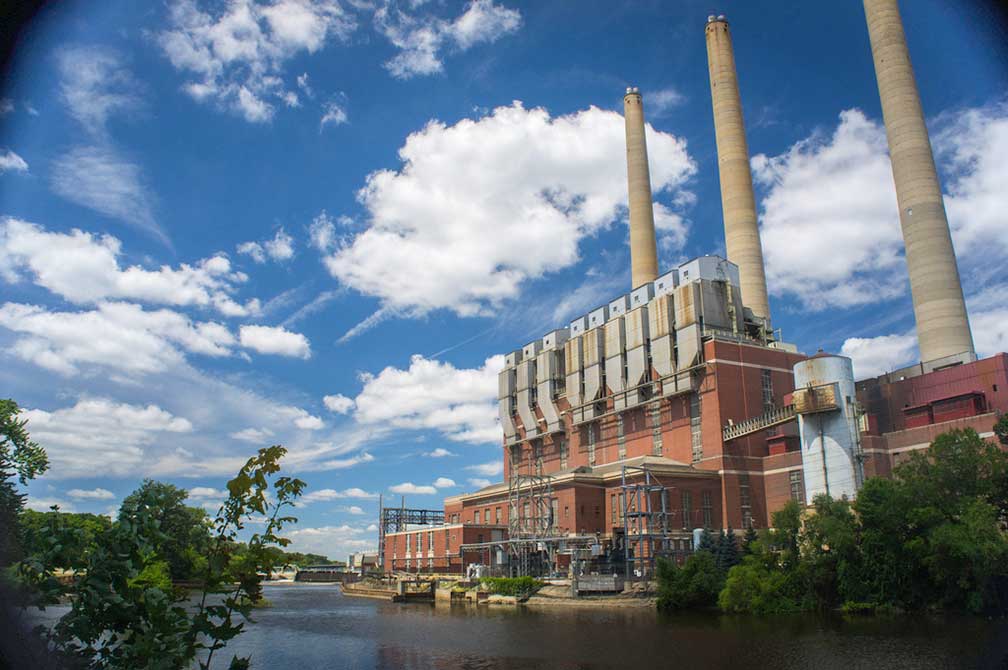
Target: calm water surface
x,y
313,626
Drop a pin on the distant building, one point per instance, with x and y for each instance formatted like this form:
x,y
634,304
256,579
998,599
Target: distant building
x,y
362,562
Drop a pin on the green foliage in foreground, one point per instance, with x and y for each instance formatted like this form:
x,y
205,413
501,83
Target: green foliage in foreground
x,y
932,538
125,613
20,459
520,587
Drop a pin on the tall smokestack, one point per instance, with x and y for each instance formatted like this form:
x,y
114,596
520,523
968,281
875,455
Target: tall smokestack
x,y
742,240
643,250
942,325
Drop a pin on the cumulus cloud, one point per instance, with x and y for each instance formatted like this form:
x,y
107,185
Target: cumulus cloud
x,y
280,248
120,336
491,469
91,494
99,178
332,114
988,312
489,203
829,249
340,404
444,483
873,356
355,510
274,340
440,452
235,53
98,430
84,269
479,482
407,488
322,232
252,435
331,541
327,495
422,40
204,492
430,394
821,245
659,103
11,162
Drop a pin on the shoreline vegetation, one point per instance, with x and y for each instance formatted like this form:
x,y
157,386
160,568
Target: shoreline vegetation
x,y
932,538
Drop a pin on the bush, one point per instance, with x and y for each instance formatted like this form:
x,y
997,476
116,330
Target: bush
x,y
512,586
755,589
696,584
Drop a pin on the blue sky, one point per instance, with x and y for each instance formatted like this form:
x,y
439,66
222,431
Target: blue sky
x,y
318,223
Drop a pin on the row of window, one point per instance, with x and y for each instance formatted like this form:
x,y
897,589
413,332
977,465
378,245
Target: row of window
x,y
617,502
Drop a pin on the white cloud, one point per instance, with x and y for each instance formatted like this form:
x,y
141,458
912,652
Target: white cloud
x,y
204,492
274,340
444,483
322,232
479,482
332,114
407,488
823,246
973,146
421,40
236,52
354,509
336,542
95,84
10,161
829,249
98,430
117,335
340,404
988,312
489,203
253,435
84,269
280,248
659,103
459,403
440,452
43,504
91,494
326,495
873,356
491,469
100,179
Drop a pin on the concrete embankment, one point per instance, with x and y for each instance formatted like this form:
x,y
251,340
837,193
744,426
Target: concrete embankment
x,y
560,596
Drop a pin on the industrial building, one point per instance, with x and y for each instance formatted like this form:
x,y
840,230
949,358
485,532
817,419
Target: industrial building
x,y
676,406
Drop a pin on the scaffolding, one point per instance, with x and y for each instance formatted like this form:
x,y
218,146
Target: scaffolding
x,y
645,521
530,519
398,519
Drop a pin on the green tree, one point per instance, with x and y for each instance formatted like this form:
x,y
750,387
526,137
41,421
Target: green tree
x,y
1001,429
696,584
20,458
124,611
727,554
829,552
183,532
750,536
34,526
707,541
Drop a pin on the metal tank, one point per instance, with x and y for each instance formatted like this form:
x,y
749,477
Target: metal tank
x,y
824,400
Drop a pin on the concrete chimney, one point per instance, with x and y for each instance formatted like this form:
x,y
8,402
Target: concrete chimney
x,y
643,249
738,205
942,325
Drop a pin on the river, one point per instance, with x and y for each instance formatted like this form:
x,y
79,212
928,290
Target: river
x,y
314,627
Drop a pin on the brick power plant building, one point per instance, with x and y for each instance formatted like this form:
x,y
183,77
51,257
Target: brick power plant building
x,y
676,407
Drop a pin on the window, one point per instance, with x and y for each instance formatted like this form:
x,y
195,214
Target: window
x,y
486,515
592,427
476,516
615,513
447,542
430,541
563,454
419,543
566,512
768,400
656,437
707,509
687,509
497,515
454,518
430,563
407,544
744,500
796,486
695,427
554,512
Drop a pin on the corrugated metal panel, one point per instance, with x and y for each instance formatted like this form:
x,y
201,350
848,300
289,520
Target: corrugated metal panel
x,y
685,305
594,346
573,354
615,336
815,399
525,374
547,366
660,316
636,324
506,383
